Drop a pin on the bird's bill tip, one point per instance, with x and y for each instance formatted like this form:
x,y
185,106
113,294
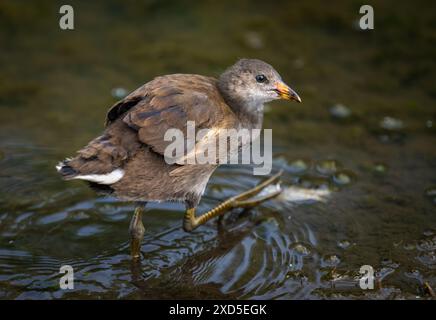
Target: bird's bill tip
x,y
286,93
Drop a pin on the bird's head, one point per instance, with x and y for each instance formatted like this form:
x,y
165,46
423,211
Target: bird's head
x,y
254,82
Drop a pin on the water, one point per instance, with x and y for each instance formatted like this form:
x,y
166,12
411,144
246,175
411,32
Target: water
x,y
358,187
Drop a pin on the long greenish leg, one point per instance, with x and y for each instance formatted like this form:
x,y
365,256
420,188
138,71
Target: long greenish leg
x,y
252,192
250,203
242,200
136,230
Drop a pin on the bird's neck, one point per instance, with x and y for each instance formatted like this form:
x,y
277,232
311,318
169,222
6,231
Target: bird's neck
x,y
250,115
248,110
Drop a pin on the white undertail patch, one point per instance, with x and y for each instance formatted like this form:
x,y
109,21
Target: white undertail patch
x,y
108,178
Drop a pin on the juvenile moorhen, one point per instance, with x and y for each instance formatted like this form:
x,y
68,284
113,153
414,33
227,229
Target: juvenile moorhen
x,y
127,160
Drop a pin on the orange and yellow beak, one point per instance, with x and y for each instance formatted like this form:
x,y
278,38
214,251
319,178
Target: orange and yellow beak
x,y
285,92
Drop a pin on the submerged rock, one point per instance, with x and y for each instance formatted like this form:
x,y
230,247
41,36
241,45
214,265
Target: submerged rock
x,y
298,166
342,178
389,123
331,260
428,233
328,167
344,244
414,273
301,249
409,246
379,168
427,245
340,111
386,262
314,183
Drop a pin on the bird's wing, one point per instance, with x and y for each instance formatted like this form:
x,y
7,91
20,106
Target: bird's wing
x,y
169,102
143,117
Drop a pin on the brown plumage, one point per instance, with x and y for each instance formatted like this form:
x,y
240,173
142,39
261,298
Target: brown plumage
x,y
132,144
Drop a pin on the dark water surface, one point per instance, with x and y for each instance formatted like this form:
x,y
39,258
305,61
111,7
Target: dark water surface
x,y
359,154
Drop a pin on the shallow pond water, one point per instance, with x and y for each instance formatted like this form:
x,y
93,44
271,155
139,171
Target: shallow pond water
x,y
358,155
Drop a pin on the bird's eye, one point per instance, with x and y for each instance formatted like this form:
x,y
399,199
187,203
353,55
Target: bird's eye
x,y
260,78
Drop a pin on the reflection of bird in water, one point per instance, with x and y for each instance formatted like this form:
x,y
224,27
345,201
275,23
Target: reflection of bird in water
x,y
127,160
180,280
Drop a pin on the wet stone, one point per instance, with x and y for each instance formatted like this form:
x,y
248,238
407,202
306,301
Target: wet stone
x,y
389,123
389,263
409,246
342,178
379,168
328,167
427,245
297,275
428,233
301,249
298,166
339,111
415,274
428,259
314,183
331,260
344,244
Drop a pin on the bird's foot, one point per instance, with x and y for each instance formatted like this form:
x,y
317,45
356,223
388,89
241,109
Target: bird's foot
x,y
247,199
258,194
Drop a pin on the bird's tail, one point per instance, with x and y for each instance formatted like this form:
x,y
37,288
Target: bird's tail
x,y
66,171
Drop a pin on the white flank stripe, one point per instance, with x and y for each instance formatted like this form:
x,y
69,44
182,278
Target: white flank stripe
x,y
108,178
